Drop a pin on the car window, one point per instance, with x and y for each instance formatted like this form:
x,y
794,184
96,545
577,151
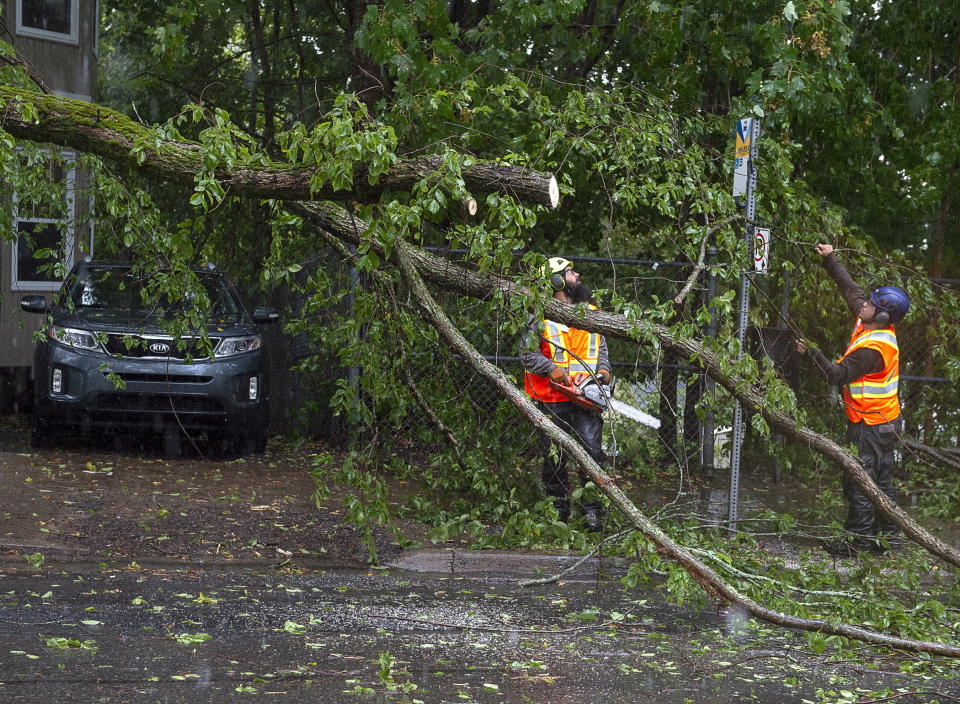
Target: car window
x,y
112,293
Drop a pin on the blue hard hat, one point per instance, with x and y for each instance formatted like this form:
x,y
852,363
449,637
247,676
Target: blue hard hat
x,y
893,300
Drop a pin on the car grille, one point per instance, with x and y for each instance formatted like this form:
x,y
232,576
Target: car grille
x,y
160,378
157,403
139,347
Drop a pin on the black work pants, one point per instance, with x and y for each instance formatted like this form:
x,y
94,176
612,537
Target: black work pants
x,y
875,444
587,428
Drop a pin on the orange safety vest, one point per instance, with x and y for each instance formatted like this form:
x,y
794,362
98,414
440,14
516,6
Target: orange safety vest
x,y
873,397
584,350
554,344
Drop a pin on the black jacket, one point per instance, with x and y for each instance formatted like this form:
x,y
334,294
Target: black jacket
x,y
861,361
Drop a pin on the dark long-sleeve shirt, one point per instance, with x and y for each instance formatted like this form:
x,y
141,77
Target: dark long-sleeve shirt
x,y
861,361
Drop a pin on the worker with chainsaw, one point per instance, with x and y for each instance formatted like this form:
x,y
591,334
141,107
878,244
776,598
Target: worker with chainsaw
x,y
555,357
869,372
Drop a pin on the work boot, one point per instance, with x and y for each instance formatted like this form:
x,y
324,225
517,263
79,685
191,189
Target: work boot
x,y
591,519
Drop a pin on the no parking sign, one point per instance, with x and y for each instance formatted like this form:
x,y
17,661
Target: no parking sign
x,y
761,249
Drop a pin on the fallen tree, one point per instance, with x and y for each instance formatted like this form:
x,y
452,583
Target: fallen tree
x,y
453,277
405,257
112,135
180,162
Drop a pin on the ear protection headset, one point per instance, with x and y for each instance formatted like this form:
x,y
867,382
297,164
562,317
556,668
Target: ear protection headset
x,y
557,266
882,317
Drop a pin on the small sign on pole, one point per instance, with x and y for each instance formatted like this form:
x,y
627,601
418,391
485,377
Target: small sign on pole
x,y
761,249
741,158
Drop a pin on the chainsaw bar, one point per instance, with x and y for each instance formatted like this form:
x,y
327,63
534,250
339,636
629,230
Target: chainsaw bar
x,y
590,395
632,413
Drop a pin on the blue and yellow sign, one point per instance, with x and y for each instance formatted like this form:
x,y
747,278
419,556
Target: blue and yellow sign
x,y
741,154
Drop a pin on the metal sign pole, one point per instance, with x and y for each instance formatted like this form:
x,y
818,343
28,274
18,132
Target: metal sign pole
x,y
748,134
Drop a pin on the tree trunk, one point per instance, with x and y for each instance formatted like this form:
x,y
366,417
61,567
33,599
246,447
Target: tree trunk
x,y
112,135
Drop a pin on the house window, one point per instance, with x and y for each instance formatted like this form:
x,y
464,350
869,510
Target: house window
x,y
58,20
45,243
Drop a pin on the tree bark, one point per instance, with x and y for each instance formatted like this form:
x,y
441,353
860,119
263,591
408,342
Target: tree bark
x,y
112,135
406,258
454,277
939,456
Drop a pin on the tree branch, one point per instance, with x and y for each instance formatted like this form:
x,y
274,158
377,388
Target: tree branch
x,y
454,277
938,455
112,135
710,581
701,257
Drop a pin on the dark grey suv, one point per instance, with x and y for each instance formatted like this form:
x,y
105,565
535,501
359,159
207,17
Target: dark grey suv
x,y
106,362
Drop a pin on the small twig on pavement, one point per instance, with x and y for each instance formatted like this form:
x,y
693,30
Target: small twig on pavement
x,y
575,565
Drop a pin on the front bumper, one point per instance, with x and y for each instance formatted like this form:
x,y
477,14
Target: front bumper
x,y
213,394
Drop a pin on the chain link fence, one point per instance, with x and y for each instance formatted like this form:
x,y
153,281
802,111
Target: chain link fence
x,y
695,417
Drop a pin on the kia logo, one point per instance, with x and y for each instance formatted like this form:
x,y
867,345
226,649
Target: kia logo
x,y
160,348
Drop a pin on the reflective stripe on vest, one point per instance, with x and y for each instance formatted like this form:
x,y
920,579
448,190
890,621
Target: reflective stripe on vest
x,y
554,344
584,349
553,337
873,397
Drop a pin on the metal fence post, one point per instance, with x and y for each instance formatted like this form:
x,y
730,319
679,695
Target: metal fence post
x,y
738,413
709,421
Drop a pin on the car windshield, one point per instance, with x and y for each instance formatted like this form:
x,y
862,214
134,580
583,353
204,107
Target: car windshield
x,y
114,294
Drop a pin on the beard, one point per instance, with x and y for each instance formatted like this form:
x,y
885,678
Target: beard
x,y
580,293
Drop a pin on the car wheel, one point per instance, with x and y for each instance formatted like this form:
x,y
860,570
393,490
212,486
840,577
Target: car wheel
x,y
250,442
41,434
172,443
259,441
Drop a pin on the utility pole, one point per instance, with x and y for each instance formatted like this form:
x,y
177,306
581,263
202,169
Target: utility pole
x,y
744,193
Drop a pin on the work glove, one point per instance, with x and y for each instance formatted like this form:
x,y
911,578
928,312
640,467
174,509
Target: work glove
x,y
558,376
604,376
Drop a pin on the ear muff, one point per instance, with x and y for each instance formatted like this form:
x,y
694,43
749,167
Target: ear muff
x,y
557,268
882,317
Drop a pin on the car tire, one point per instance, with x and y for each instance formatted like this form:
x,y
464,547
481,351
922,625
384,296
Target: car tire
x,y
251,442
41,434
172,443
259,441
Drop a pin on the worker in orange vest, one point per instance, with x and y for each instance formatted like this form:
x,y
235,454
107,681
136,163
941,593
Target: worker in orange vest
x,y
869,371
553,351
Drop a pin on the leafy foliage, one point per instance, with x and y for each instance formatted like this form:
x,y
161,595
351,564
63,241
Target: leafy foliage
x,y
632,105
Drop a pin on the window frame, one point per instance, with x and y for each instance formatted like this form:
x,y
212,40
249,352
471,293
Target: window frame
x,y
69,233
72,38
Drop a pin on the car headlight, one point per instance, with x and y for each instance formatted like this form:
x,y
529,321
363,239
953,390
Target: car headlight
x,y
84,339
230,346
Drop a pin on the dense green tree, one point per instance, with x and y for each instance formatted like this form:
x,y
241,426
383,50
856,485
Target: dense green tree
x,y
630,104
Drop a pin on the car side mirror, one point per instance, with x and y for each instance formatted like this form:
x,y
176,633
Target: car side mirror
x,y
34,304
266,315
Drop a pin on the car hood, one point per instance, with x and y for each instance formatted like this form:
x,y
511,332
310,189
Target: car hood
x,y
131,324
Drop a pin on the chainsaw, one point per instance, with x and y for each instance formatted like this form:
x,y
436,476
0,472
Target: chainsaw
x,y
584,391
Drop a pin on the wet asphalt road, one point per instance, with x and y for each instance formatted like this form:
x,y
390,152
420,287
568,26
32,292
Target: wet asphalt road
x,y
169,633
188,581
